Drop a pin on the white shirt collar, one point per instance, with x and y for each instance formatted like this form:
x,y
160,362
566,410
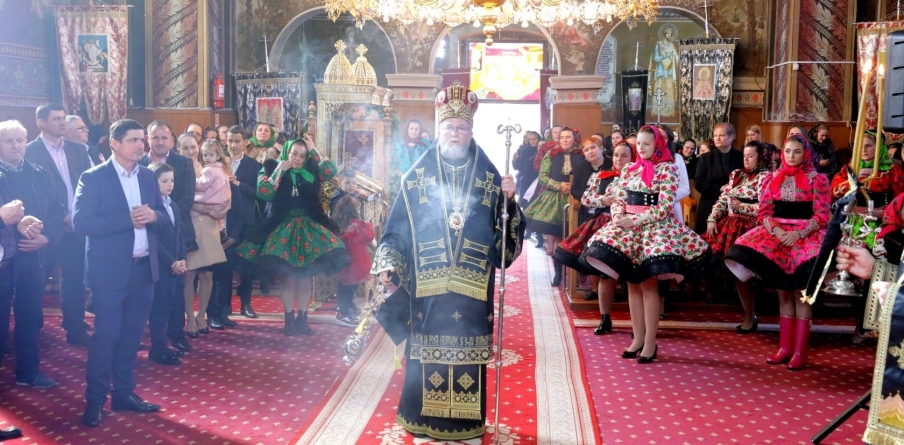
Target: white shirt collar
x,y
121,171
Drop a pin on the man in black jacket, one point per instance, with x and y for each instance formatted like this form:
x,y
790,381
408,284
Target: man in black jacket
x,y
243,213
65,162
42,226
160,138
11,212
713,169
77,131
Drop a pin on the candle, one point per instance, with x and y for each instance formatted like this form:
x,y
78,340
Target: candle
x,y
880,93
861,119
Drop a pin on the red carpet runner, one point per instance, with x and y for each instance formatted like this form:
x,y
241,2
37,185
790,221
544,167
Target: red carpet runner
x,y
545,397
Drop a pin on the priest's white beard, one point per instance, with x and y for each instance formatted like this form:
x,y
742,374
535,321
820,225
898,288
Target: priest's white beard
x,y
454,152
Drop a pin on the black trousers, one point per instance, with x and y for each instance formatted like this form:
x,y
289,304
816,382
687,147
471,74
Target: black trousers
x,y
346,296
72,288
120,318
221,295
167,317
22,289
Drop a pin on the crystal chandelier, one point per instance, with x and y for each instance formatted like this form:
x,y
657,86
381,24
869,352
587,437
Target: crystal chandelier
x,y
494,14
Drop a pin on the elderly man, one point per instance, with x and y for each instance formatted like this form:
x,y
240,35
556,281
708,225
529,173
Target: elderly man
x,y
77,131
438,256
66,161
42,227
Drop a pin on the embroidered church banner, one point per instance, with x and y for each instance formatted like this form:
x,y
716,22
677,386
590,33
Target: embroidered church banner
x,y
707,71
94,45
634,100
358,151
272,98
871,39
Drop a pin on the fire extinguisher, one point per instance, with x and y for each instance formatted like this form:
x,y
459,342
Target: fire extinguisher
x,y
219,92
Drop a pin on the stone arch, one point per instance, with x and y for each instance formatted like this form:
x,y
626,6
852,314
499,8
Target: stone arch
x,y
279,44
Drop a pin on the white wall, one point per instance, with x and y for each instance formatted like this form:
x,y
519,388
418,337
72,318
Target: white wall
x,y
490,115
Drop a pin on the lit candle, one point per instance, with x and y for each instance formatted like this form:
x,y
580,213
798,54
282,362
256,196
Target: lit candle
x,y
861,119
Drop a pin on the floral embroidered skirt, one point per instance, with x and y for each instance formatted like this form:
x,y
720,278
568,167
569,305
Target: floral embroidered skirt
x,y
759,253
299,247
569,252
729,229
544,214
663,249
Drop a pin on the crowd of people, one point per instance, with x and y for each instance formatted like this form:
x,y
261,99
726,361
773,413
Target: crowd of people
x,y
159,225
761,211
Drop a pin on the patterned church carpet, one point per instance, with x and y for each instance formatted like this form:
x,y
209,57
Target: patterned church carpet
x,y
544,397
248,385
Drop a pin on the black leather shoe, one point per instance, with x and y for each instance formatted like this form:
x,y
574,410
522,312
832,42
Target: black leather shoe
x,y
195,334
605,325
167,358
646,360
10,433
248,312
134,403
181,344
77,338
556,281
93,414
753,327
215,324
631,354
226,321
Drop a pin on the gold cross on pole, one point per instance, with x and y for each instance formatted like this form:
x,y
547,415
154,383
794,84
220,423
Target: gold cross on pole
x,y
421,183
488,188
350,159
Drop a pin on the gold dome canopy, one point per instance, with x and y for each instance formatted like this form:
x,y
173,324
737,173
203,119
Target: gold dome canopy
x,y
362,72
339,70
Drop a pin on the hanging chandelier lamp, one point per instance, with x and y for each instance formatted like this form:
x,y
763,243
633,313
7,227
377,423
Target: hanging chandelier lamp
x,y
495,14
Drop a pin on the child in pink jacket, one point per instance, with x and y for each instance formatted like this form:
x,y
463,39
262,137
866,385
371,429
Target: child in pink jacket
x,y
212,192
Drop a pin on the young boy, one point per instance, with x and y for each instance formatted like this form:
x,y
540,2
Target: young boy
x,y
167,317
348,184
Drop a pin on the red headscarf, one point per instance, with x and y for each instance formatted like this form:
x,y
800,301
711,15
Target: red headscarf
x,y
576,148
891,218
799,173
605,174
661,154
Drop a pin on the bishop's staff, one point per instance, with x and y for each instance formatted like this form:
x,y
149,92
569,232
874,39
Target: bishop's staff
x,y
507,129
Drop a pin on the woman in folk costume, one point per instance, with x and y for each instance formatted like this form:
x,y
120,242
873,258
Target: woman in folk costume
x,y
544,215
644,243
887,184
262,145
296,239
597,197
734,214
793,213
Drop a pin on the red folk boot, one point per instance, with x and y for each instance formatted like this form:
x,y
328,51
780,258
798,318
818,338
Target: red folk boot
x,y
785,341
801,340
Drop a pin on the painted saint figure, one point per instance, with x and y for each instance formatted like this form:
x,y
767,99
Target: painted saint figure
x,y
664,65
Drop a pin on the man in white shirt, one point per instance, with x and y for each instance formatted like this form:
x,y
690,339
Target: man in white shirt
x,y
117,206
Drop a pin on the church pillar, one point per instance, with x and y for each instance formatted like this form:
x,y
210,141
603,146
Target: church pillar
x,y
413,97
178,72
806,85
575,104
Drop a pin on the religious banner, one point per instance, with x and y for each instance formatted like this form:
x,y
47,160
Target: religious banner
x,y
885,424
94,45
634,102
272,98
707,72
871,39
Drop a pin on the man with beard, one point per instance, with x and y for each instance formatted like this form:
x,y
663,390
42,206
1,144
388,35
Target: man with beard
x,y
437,260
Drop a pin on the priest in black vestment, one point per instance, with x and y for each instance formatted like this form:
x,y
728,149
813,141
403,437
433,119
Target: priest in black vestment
x,y
438,258
713,169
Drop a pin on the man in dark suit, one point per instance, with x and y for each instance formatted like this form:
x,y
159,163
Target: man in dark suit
x,y
242,214
77,131
44,209
66,161
11,212
160,136
713,169
118,207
